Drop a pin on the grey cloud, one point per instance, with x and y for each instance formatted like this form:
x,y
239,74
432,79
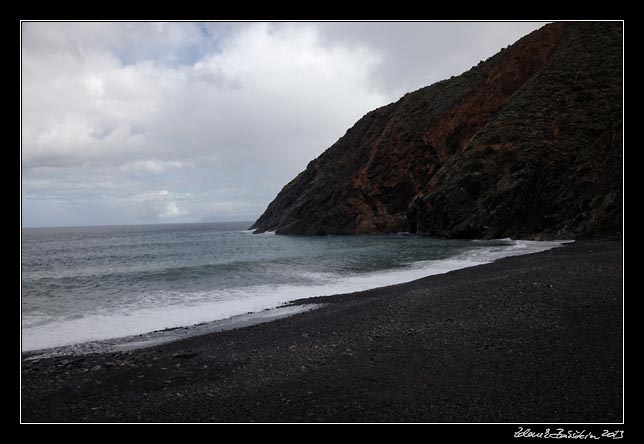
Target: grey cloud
x,y
417,54
219,116
129,42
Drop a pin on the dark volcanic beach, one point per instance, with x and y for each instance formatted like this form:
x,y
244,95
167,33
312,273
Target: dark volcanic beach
x,y
534,338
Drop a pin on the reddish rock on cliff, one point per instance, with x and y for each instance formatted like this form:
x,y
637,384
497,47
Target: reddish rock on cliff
x,y
526,144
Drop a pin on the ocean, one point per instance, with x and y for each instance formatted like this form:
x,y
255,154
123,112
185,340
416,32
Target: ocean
x,y
83,284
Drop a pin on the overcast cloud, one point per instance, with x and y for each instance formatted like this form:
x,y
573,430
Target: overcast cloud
x,y
126,123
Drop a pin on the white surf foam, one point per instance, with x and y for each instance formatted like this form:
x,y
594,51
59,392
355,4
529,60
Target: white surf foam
x,y
199,307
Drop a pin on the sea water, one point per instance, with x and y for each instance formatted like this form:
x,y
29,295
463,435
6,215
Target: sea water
x,y
84,284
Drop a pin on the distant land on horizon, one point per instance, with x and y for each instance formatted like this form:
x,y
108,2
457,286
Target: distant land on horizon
x,y
526,144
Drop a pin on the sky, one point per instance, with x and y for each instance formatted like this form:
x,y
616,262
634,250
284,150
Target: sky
x,y
153,122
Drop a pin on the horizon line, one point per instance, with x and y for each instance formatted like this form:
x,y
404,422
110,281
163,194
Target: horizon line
x,y
22,227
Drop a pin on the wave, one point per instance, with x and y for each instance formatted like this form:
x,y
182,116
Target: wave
x,y
138,273
163,310
514,248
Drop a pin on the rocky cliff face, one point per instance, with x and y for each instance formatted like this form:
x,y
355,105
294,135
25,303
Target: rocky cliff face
x,y
526,144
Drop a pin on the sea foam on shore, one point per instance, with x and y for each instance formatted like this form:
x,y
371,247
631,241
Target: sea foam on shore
x,y
172,308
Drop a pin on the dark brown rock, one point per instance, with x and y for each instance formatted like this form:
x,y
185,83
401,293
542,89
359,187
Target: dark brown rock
x,y
526,144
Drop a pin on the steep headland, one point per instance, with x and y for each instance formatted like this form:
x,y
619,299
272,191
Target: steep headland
x,y
526,144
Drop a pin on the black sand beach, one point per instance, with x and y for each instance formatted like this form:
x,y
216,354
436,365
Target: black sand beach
x,y
534,338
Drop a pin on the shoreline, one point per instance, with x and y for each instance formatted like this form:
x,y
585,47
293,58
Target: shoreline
x,y
527,338
416,270
166,335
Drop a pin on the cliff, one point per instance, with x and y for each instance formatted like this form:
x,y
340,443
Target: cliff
x,y
526,144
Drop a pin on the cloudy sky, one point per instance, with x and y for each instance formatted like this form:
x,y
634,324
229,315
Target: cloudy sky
x,y
130,123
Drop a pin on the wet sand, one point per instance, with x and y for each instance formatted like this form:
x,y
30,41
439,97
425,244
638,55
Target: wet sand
x,y
535,338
